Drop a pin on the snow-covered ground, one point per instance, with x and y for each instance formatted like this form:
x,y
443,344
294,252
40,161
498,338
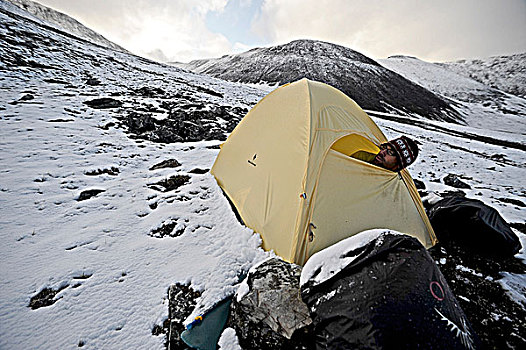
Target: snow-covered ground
x,y
480,105
113,275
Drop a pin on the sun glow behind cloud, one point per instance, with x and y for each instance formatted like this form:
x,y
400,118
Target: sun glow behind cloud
x,y
181,30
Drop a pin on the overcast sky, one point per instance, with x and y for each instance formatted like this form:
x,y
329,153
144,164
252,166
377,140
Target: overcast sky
x,y
182,30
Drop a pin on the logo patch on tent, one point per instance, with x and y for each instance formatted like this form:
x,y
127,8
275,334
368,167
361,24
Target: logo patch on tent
x,y
251,162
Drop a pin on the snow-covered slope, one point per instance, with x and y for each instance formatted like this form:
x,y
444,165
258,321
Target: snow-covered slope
x,y
64,22
112,274
506,73
364,80
110,254
480,104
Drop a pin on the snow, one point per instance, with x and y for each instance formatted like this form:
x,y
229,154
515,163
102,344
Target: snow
x,y
51,240
329,261
242,290
481,106
228,340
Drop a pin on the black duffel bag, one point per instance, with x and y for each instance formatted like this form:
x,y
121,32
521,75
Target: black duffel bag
x,y
385,294
473,226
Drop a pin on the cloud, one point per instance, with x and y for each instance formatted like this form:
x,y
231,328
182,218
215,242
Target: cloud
x,y
175,28
429,29
432,30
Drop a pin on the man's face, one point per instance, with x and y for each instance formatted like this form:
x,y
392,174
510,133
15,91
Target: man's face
x,y
386,158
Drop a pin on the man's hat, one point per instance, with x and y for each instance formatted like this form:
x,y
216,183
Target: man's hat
x,y
406,150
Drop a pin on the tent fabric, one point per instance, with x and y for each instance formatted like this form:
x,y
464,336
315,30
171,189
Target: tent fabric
x,y
271,168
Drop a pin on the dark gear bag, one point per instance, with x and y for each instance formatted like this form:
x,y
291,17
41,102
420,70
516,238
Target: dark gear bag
x,y
473,226
390,296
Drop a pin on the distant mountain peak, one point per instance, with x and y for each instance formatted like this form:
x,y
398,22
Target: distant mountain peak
x,y
371,85
405,57
64,22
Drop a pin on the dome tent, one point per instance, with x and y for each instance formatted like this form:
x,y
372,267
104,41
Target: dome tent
x,y
286,168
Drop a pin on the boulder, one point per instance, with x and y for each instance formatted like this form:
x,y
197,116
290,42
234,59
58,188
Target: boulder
x,y
102,103
87,194
267,312
454,181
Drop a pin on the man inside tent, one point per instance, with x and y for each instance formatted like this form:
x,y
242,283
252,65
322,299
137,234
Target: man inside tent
x,y
394,155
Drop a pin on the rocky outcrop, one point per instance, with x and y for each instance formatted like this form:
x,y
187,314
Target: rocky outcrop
x,y
268,312
454,181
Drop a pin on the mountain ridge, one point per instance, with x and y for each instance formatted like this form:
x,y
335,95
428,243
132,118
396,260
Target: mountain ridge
x,y
363,79
64,22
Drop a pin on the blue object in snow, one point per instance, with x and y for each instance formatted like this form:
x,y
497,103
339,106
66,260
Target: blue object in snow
x,y
203,333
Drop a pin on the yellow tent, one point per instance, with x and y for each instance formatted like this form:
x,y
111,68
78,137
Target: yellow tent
x,y
286,169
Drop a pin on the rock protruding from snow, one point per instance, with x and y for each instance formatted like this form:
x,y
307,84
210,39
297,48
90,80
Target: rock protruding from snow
x,y
270,313
361,78
454,181
182,300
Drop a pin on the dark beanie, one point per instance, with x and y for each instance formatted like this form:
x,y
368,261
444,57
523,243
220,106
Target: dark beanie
x,y
406,150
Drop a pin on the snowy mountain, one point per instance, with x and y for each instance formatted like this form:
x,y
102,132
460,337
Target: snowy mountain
x,y
503,111
506,73
107,203
64,22
372,86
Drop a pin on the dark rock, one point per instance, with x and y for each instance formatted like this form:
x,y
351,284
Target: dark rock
x,y
521,226
199,171
147,91
498,157
172,183
107,126
72,111
87,194
271,315
45,297
102,103
454,181
512,201
182,301
60,120
81,343
138,123
208,91
27,97
167,229
169,163
458,193
114,171
423,194
496,318
93,82
420,185
56,81
185,125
